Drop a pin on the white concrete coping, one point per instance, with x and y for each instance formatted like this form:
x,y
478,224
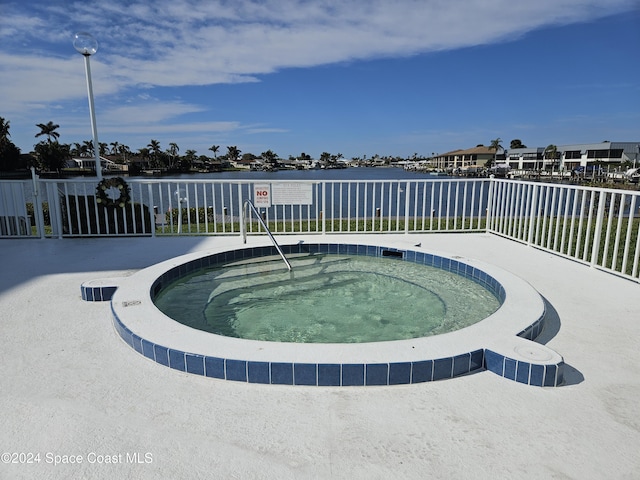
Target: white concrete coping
x,y
522,307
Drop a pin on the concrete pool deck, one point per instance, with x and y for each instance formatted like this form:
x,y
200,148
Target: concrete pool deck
x,y
73,390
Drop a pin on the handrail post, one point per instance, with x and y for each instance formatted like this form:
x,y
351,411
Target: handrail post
x,y
243,228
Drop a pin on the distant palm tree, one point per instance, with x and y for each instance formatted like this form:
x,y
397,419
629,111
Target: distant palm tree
x,y
154,151
87,148
49,130
145,154
115,146
173,152
233,153
75,150
495,146
269,156
214,149
4,130
124,152
154,146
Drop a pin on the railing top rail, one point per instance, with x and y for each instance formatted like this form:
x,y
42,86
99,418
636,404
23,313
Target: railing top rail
x,y
257,180
566,186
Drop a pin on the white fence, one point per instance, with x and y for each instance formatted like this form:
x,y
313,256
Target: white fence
x,y
596,226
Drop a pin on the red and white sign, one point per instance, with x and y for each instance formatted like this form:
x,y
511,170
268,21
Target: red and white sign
x,y
262,195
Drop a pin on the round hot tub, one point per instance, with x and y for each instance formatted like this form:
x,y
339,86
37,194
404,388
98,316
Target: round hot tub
x,y
500,342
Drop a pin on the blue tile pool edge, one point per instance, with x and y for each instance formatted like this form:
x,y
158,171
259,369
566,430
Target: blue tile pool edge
x,y
366,374
348,374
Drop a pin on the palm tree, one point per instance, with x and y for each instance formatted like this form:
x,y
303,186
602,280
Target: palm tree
x,y
270,159
154,146
214,149
4,130
124,152
145,154
154,151
87,148
76,151
495,146
9,153
115,146
49,130
233,153
173,152
269,156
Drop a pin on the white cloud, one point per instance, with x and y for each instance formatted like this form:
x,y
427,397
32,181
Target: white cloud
x,y
172,43
188,42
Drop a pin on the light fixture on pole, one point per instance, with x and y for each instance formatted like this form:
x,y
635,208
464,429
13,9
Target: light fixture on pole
x,y
86,45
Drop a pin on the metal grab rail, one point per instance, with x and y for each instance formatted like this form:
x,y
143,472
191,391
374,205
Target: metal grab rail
x,y
243,228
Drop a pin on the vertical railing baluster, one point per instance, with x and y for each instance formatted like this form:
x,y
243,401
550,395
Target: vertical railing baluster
x,y
424,204
598,228
627,241
407,203
636,256
616,245
552,209
607,235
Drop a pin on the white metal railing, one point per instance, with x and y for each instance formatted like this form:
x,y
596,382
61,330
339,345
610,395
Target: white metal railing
x,y
214,207
596,226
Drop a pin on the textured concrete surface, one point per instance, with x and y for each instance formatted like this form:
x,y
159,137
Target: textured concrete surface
x,y
71,390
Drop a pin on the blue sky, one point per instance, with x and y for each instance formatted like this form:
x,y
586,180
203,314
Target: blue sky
x,y
357,77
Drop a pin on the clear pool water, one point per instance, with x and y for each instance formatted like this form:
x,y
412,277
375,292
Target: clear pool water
x,y
326,299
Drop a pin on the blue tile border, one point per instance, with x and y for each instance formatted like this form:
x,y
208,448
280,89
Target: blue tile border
x,y
329,374
348,374
377,374
352,374
101,293
258,372
336,374
399,373
422,371
305,374
235,370
282,373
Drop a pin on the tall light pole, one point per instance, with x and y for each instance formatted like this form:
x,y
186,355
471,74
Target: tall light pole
x,y
86,45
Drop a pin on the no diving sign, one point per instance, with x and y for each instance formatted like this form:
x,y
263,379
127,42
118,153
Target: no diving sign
x,y
283,194
262,195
